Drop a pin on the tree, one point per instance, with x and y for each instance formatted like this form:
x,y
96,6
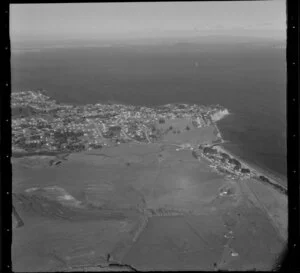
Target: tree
x,y
225,156
209,150
234,162
194,154
161,120
264,179
245,170
187,128
236,168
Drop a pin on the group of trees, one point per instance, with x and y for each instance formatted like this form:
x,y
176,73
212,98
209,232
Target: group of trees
x,y
194,154
161,120
95,146
235,162
263,178
113,131
31,146
245,170
226,158
75,147
22,111
209,151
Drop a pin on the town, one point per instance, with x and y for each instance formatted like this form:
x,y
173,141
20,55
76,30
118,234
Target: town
x,y
41,125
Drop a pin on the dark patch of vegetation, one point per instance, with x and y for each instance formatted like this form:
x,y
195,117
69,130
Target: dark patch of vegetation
x,y
113,131
95,146
139,138
263,178
224,155
31,147
115,128
209,150
194,123
152,128
23,111
161,121
276,186
235,162
245,170
187,128
236,168
230,191
180,106
75,147
194,154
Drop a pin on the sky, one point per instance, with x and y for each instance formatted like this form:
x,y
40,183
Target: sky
x,y
140,20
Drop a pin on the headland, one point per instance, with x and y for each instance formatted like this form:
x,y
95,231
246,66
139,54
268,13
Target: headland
x,y
137,188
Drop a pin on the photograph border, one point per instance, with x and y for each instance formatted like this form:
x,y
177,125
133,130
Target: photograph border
x,y
289,260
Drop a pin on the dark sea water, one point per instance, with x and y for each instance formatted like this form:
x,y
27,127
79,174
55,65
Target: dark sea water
x,y
248,79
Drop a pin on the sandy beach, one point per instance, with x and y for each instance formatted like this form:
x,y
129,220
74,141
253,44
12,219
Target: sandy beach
x,y
255,169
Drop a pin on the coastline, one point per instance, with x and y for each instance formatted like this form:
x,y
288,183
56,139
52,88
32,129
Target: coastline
x,y
274,181
257,171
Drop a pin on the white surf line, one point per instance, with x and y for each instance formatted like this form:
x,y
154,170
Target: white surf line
x,y
252,169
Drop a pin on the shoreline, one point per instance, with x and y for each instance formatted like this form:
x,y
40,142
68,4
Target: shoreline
x,y
274,180
255,170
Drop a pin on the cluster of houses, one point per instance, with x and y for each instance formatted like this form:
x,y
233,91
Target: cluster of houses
x,y
89,125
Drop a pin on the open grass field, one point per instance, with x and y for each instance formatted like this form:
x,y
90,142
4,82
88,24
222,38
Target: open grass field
x,y
181,130
144,205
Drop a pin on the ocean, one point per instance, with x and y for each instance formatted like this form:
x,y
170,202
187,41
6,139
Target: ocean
x,y
249,79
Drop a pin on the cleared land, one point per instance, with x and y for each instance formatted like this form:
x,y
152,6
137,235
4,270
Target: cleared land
x,y
142,206
180,130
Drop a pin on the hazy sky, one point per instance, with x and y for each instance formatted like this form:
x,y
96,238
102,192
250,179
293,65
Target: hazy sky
x,y
118,20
